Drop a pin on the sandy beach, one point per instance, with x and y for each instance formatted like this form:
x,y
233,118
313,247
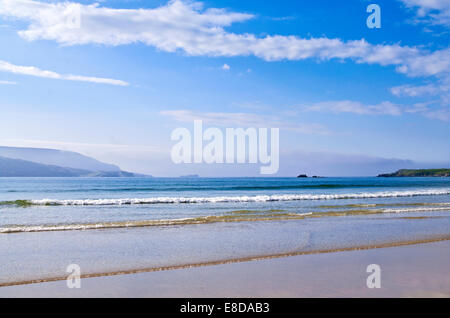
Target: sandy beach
x,y
418,270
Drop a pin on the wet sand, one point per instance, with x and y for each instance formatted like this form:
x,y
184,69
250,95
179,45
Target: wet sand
x,y
408,270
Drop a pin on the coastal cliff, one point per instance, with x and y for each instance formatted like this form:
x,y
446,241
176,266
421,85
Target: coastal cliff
x,y
418,173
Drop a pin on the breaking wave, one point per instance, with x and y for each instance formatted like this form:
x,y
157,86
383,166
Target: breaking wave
x,y
233,216
220,199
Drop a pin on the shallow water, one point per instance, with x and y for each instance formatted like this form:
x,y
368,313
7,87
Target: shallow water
x,y
107,225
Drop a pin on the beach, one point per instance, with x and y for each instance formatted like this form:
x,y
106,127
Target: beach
x,y
417,270
115,230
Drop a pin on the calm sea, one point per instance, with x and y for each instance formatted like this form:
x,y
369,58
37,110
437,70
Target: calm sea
x,y
106,225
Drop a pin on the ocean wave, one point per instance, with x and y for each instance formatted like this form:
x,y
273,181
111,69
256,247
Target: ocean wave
x,y
423,209
261,216
233,216
377,205
222,199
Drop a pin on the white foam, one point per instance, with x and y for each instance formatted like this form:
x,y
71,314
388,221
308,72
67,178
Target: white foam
x,y
257,198
129,224
89,226
421,209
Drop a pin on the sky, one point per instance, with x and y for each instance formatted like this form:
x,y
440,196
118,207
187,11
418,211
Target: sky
x,y
112,79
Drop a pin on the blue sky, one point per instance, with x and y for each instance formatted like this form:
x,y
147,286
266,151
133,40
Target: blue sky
x,y
116,86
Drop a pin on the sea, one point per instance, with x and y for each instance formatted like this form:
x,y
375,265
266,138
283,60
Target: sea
x,y
123,225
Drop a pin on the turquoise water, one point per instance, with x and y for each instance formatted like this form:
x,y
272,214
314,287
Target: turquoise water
x,y
107,225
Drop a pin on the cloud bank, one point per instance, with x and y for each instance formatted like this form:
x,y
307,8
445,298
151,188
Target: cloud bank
x,y
188,27
430,11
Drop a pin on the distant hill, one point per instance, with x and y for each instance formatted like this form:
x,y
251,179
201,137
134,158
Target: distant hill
x,y
67,159
37,162
418,173
22,168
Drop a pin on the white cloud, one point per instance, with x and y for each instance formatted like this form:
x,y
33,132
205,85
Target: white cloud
x,y
245,120
435,109
441,114
8,83
34,71
433,64
355,107
438,108
226,67
419,90
186,26
430,11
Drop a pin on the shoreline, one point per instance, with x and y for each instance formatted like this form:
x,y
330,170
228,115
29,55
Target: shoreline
x,y
443,238
418,270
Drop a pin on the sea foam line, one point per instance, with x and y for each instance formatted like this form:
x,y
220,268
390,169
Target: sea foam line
x,y
405,210
257,198
147,223
263,216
